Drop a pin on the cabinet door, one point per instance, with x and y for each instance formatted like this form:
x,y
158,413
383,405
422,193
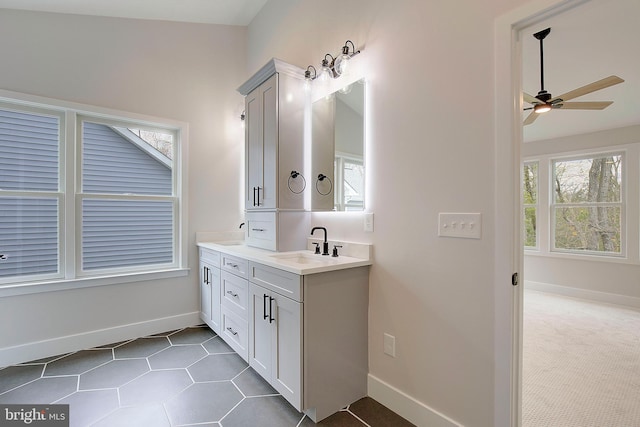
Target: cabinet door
x,y
205,292
210,295
286,344
216,316
261,135
259,331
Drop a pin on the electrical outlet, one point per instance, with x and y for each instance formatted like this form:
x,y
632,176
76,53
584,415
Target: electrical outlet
x,y
390,345
368,221
463,225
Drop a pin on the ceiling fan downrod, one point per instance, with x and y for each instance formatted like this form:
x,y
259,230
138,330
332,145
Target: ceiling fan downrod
x,y
542,95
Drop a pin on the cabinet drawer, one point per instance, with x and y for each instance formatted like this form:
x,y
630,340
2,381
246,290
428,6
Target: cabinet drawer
x,y
210,257
280,281
235,332
261,230
235,265
234,294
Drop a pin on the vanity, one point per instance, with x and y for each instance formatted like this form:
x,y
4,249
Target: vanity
x,y
299,319
297,316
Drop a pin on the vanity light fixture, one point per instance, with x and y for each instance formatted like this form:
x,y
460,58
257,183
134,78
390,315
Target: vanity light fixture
x,y
342,61
326,71
307,74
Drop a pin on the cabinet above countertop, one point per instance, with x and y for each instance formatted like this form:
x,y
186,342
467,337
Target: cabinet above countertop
x,y
300,262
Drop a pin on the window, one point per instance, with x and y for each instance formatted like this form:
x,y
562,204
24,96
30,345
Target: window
x,y
113,210
587,205
349,192
530,202
30,197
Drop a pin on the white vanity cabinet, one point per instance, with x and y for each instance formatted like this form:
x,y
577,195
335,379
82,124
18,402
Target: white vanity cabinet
x,y
210,288
274,157
275,329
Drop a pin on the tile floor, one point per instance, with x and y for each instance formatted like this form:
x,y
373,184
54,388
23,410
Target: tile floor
x,y
181,378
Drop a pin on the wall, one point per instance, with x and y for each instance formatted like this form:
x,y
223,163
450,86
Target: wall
x,y
184,72
430,149
607,279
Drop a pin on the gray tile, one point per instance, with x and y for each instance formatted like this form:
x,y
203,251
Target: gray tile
x,y
154,387
252,384
217,367
14,376
203,402
77,363
141,347
164,334
46,359
42,391
377,415
271,411
85,407
111,346
113,374
217,345
136,416
179,356
195,335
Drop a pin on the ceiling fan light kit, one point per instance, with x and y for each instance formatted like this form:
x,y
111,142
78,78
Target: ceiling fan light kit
x,y
544,101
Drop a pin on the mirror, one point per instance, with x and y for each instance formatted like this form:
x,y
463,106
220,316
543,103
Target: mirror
x,y
337,164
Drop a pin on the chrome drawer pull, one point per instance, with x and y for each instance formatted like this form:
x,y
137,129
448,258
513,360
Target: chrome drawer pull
x,y
232,294
232,265
258,229
231,330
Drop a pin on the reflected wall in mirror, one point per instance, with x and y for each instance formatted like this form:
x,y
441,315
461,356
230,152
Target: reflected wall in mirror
x,y
338,140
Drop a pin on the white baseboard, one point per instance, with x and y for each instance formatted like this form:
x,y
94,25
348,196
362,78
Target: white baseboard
x,y
69,343
406,406
604,297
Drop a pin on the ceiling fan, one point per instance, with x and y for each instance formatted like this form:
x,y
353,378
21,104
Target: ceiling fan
x,y
544,101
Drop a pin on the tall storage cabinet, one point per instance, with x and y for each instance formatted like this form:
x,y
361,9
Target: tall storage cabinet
x,y
274,154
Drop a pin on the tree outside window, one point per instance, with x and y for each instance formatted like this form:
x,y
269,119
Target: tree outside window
x,y
530,202
587,204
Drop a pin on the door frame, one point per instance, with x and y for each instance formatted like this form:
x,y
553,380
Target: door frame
x,y
508,207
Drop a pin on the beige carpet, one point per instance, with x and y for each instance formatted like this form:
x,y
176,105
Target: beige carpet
x,y
581,363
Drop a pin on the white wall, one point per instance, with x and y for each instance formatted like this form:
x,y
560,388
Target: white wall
x,y
430,149
589,277
184,72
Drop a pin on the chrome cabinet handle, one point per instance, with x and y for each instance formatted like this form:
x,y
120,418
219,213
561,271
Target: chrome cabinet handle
x,y
232,265
230,329
258,229
232,294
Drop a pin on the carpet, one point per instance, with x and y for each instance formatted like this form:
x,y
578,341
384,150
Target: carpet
x,y
581,363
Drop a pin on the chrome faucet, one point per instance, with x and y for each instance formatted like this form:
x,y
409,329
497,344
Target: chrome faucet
x,y
325,244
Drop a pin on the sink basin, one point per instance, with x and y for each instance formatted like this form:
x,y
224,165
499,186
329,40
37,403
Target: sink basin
x,y
303,259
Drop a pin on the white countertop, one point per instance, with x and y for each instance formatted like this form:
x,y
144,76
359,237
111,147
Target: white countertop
x,y
299,262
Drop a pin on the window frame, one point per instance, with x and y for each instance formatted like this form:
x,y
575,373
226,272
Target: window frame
x,y
70,197
622,204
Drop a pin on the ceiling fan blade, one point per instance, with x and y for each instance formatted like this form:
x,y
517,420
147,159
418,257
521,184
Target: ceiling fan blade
x,y
592,87
530,99
595,105
530,118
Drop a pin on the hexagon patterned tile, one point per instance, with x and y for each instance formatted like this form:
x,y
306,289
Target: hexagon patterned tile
x,y
178,378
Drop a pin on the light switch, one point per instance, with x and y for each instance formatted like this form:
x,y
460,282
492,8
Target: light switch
x,y
463,225
368,221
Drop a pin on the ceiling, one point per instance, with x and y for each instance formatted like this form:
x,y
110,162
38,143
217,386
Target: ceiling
x,y
587,43
227,12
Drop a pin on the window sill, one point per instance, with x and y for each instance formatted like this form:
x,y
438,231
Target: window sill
x,y
616,259
16,289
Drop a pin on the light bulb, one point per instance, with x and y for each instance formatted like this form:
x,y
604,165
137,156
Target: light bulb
x,y
542,108
342,63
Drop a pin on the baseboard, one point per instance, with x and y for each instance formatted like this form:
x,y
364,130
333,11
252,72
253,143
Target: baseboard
x,y
69,343
604,297
406,406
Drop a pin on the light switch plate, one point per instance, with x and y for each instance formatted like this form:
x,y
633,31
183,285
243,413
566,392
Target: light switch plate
x,y
368,221
462,225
